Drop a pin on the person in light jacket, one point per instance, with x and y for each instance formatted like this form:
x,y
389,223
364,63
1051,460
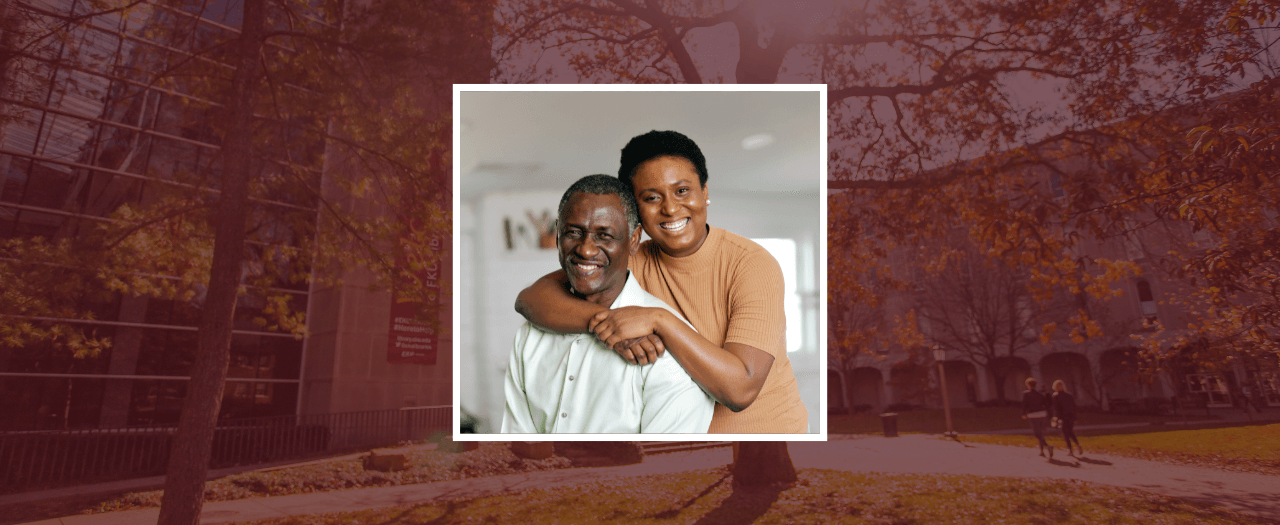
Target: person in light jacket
x,y
1064,412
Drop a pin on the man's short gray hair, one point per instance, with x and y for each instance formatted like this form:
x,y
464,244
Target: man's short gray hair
x,y
604,185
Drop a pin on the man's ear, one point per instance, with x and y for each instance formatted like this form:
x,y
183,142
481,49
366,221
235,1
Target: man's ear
x,y
633,244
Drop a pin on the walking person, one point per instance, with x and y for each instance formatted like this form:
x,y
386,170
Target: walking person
x,y
1064,412
1035,409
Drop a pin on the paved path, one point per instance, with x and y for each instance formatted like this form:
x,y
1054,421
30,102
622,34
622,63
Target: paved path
x,y
1254,494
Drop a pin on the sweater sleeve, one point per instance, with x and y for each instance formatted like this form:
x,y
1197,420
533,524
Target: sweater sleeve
x,y
756,311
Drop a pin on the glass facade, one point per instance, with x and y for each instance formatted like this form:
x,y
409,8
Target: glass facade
x,y
92,125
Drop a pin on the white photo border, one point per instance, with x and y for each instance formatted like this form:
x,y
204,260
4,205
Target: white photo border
x,y
821,89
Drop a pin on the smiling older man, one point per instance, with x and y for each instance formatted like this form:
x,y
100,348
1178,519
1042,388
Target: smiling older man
x,y
572,383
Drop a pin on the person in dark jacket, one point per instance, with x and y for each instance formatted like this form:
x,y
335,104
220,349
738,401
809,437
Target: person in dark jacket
x,y
1064,412
1035,409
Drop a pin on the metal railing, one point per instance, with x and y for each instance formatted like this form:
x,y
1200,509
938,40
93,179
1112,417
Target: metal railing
x,y
47,459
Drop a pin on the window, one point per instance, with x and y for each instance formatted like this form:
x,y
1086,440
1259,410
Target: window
x,y
1055,185
784,250
1264,386
922,323
1269,385
1147,300
1202,237
1133,247
1212,386
262,393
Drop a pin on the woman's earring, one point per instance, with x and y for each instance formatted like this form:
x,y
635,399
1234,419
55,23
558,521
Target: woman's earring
x,y
708,201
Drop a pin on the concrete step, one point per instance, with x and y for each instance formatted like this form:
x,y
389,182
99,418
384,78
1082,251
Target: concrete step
x,y
660,447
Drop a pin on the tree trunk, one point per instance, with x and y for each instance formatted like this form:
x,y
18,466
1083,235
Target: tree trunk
x,y
763,463
758,65
189,457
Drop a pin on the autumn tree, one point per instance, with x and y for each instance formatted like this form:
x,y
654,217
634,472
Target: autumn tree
x,y
869,287
857,319
359,93
855,328
1223,182
981,309
941,108
952,108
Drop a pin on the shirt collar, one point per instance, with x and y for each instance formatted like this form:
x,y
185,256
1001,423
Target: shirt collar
x,y
631,293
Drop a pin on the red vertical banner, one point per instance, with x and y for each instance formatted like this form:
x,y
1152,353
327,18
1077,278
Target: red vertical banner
x,y
416,326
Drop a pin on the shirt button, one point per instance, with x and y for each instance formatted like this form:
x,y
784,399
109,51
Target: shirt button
x,y
571,378
564,414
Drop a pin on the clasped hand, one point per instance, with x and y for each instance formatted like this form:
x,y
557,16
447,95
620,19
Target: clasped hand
x,y
629,331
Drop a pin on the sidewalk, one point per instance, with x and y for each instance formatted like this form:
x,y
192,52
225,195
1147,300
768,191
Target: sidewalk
x,y
1253,494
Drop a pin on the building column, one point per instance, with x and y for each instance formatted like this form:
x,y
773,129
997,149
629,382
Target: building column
x,y
844,391
888,397
1166,383
117,394
984,384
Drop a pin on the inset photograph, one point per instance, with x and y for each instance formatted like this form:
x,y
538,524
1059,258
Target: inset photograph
x,y
640,263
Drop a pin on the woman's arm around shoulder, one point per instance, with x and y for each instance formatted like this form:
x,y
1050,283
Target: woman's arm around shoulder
x,y
548,304
733,375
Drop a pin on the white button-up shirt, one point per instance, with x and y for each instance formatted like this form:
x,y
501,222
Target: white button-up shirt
x,y
572,383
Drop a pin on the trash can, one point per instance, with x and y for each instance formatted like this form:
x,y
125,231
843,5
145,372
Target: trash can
x,y
890,422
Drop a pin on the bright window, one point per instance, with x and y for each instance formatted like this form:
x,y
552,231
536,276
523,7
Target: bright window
x,y
784,250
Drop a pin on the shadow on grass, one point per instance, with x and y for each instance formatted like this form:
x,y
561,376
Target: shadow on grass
x,y
671,513
744,505
404,517
1260,508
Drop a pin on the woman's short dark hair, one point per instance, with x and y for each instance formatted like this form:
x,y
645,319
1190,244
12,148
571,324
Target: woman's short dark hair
x,y
604,185
654,144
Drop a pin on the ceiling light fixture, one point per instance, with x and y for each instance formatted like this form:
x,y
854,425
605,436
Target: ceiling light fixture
x,y
757,141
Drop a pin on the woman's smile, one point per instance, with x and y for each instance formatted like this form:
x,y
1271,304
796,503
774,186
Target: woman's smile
x,y
673,204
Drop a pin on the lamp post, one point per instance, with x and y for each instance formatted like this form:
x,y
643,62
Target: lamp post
x,y
940,355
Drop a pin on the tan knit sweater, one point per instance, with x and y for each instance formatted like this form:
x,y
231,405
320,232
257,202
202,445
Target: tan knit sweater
x,y
731,290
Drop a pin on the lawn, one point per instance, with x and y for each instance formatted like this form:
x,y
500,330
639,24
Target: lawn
x,y
966,420
821,496
424,465
1240,448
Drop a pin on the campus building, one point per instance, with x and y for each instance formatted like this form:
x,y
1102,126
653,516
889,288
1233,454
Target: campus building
x,y
1105,371
89,134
